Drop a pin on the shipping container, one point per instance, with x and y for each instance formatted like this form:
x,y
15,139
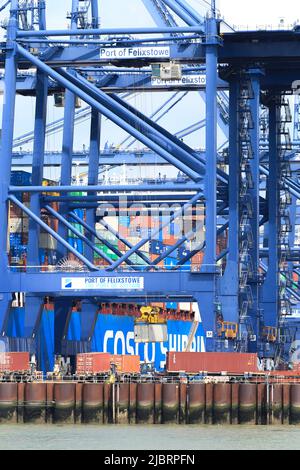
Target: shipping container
x,y
154,257
15,225
14,362
126,363
136,260
92,363
15,239
124,231
150,333
212,363
107,251
77,244
122,247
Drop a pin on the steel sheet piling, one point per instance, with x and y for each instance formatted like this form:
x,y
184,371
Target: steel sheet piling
x,y
107,404
21,400
64,403
123,392
158,403
285,404
208,403
170,403
221,403
234,403
183,403
247,403
196,400
261,409
8,402
78,402
50,402
195,403
132,403
276,404
295,404
35,403
92,403
145,403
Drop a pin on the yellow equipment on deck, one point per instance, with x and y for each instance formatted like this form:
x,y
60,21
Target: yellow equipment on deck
x,y
228,329
270,334
150,315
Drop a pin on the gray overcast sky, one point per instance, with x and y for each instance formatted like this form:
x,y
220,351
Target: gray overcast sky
x,y
126,13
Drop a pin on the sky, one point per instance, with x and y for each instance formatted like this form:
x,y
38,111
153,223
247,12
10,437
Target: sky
x,y
258,13
254,14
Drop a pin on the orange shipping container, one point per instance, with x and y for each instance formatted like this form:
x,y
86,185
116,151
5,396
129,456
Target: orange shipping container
x,y
92,363
126,363
170,240
154,257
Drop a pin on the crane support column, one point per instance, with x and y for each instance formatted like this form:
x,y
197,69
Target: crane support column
x,y
254,200
210,257
230,279
63,307
34,304
270,291
8,120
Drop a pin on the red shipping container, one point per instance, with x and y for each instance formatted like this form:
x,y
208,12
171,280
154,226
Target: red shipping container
x,y
213,363
14,361
92,363
126,363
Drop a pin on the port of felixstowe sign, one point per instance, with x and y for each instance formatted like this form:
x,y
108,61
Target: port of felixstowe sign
x,y
135,52
185,80
102,283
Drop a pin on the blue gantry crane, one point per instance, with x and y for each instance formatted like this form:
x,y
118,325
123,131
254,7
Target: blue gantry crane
x,y
248,187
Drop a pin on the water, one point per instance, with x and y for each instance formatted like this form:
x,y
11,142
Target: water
x,y
51,437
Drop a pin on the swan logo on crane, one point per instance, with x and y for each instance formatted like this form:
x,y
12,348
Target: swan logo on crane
x,y
68,284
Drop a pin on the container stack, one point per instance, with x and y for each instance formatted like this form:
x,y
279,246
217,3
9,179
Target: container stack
x,y
18,224
19,227
131,228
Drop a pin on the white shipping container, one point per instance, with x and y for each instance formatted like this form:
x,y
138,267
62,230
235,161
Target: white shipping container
x,y
156,333
15,225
